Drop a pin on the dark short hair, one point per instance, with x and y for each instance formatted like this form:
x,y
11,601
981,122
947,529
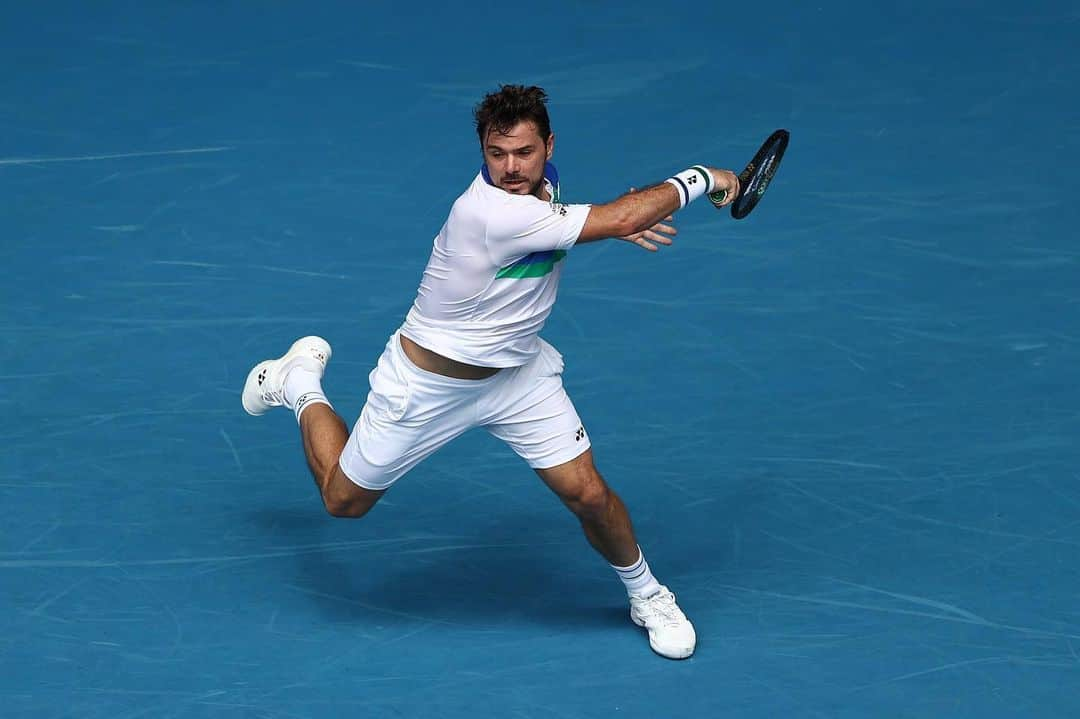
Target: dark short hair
x,y
510,105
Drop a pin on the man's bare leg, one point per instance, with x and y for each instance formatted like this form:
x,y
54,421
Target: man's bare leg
x,y
607,526
294,381
602,514
324,434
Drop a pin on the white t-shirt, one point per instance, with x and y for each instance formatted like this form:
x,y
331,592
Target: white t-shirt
x,y
493,275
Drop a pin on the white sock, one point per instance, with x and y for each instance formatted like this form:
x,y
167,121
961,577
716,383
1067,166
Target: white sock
x,y
638,578
303,389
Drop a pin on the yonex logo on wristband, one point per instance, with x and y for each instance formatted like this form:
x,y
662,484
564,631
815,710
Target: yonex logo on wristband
x,y
706,175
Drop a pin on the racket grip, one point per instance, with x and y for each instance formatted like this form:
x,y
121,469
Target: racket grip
x,y
718,196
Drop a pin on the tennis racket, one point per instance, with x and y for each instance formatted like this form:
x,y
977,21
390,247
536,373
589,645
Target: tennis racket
x,y
755,179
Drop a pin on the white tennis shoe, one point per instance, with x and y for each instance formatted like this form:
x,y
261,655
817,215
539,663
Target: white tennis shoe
x,y
671,634
265,385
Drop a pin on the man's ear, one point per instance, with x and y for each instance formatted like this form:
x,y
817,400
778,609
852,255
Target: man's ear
x,y
550,144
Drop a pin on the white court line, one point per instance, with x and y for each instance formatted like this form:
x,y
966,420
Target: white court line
x,y
87,158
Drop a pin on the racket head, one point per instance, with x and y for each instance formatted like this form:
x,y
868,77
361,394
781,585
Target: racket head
x,y
756,176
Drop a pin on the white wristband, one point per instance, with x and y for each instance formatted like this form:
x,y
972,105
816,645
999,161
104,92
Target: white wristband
x,y
691,184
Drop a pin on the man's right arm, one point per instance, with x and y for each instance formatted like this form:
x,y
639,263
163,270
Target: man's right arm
x,y
641,209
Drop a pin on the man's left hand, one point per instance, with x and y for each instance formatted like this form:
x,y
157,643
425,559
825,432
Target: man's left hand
x,y
657,234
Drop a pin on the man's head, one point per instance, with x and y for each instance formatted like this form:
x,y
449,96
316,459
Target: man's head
x,y
515,137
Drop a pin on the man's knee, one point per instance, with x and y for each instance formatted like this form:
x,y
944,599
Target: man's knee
x,y
344,498
346,508
591,497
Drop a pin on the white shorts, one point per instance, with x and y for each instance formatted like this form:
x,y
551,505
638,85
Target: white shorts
x,y
411,412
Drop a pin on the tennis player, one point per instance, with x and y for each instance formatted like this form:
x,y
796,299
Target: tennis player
x,y
469,352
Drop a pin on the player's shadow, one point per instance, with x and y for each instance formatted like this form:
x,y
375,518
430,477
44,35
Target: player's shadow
x,y
486,576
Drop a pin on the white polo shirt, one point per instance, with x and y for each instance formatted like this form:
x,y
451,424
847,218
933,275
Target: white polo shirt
x,y
493,275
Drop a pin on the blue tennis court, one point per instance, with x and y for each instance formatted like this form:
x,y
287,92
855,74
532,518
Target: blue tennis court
x,y
846,427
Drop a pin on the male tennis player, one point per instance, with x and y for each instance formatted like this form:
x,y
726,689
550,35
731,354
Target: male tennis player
x,y
469,352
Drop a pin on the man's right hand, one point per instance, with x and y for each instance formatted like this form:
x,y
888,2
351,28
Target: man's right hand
x,y
727,181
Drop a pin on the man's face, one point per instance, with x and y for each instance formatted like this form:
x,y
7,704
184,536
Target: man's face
x,y
516,160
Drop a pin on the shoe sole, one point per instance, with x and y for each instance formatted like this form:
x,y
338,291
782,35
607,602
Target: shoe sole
x,y
250,397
